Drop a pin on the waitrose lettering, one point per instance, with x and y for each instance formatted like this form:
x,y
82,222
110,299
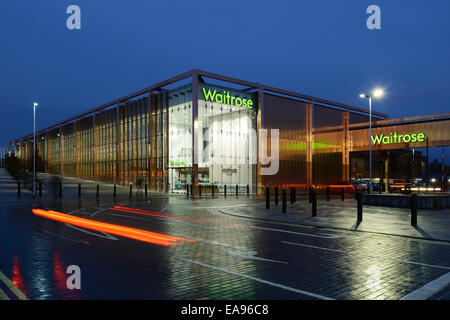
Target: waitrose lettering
x,y
226,98
398,138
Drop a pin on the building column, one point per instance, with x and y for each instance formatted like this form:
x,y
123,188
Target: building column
x,y
259,126
166,142
93,146
60,151
195,133
75,153
346,148
309,141
117,167
386,172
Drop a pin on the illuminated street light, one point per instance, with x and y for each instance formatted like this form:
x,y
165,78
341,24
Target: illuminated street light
x,y
376,93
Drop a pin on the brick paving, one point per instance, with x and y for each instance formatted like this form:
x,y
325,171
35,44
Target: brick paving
x,y
232,257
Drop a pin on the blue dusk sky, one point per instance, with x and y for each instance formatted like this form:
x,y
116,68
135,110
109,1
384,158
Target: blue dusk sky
x,y
321,48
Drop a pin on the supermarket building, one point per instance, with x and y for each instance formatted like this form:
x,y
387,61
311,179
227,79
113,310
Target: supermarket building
x,y
205,129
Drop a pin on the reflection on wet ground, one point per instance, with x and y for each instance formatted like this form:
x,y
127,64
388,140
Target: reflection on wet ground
x,y
217,256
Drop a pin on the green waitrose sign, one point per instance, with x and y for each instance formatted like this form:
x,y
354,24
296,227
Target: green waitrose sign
x,y
226,98
398,138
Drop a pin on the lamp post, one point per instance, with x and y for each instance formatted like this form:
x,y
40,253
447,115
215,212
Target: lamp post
x,y
35,104
375,93
61,152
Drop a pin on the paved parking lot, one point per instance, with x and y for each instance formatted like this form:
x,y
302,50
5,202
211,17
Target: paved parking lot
x,y
226,257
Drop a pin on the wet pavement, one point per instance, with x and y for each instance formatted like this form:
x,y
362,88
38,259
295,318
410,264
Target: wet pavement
x,y
224,257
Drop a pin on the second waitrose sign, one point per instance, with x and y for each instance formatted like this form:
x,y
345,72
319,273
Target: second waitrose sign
x,y
398,138
226,98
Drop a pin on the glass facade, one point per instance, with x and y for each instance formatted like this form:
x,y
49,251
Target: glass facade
x,y
226,146
148,137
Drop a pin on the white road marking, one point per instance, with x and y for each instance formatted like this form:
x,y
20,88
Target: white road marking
x,y
429,289
253,257
365,255
230,206
104,235
163,219
67,238
273,284
75,211
321,235
98,211
246,253
14,289
3,295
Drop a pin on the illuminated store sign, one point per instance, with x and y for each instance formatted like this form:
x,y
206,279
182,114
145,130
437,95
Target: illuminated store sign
x,y
176,163
398,138
226,98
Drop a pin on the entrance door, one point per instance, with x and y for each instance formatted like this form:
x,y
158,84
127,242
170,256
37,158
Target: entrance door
x,y
179,177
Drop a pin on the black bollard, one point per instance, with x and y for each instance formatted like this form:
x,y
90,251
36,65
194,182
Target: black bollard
x,y
225,190
40,189
237,191
414,209
310,194
18,189
314,201
60,189
114,192
131,190
267,198
79,190
187,189
356,193
283,201
98,192
212,190
199,190
146,190
342,194
359,206
328,193
276,196
248,191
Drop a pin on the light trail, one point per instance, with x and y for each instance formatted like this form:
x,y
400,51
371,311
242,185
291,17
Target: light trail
x,y
128,232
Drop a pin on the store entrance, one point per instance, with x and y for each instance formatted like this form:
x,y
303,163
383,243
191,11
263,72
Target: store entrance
x,y
179,177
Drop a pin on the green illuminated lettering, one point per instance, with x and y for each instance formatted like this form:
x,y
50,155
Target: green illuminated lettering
x,y
208,95
421,137
250,104
240,101
377,139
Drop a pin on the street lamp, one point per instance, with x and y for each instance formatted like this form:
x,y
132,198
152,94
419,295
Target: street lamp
x,y
35,104
376,93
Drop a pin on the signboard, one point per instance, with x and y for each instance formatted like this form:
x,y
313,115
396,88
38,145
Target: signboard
x,y
398,138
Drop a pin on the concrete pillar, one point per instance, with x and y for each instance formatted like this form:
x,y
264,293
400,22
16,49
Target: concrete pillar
x,y
166,141
259,126
346,147
309,141
195,133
